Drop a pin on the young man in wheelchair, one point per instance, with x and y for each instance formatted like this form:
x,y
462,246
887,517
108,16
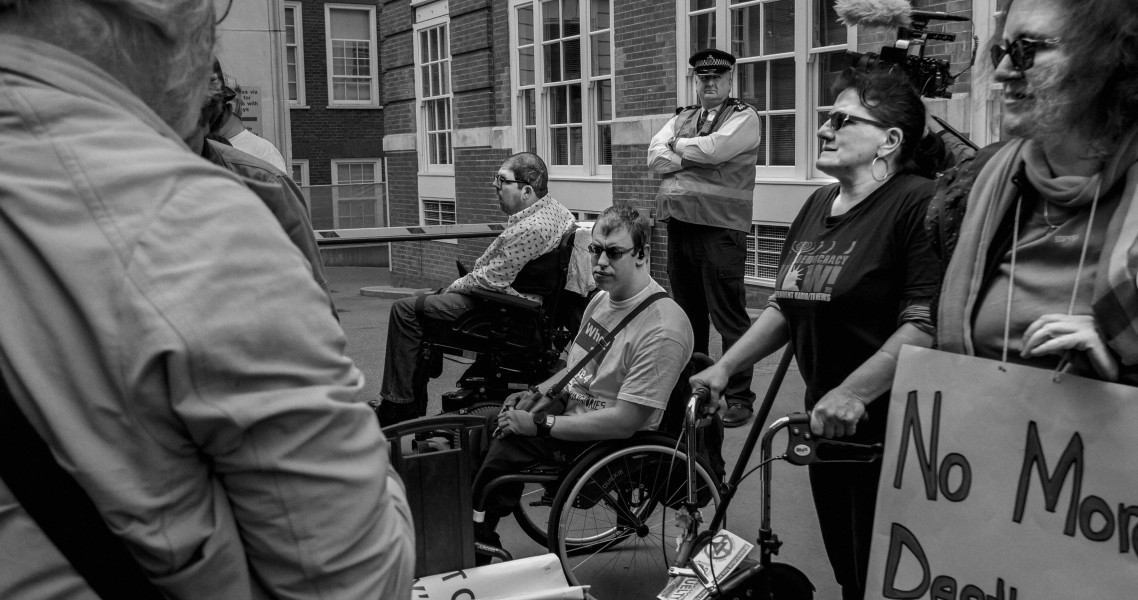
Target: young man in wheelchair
x,y
534,227
623,388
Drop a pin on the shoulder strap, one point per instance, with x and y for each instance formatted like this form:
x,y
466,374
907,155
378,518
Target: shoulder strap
x,y
604,344
64,511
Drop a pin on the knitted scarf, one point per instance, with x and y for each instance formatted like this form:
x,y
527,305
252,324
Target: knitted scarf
x,y
1115,302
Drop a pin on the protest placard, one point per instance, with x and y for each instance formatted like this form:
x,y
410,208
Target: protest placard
x,y
532,578
1005,482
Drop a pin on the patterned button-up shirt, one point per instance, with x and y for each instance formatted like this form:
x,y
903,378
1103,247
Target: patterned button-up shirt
x,y
529,233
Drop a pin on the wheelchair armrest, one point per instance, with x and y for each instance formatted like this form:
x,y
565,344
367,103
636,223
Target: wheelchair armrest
x,y
505,299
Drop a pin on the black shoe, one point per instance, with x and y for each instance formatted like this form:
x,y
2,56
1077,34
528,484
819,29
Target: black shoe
x,y
488,546
390,413
737,415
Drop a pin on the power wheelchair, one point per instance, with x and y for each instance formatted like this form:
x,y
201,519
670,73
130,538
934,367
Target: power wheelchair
x,y
516,342
622,500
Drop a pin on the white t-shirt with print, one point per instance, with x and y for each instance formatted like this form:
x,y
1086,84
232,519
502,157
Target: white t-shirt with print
x,y
645,359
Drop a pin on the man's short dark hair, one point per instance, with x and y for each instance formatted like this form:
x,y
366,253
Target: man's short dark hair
x,y
615,217
529,167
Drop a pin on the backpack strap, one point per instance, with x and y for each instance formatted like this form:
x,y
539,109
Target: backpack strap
x,y
64,512
603,345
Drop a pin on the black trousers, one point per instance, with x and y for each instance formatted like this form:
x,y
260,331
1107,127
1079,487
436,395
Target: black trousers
x,y
510,455
705,270
845,495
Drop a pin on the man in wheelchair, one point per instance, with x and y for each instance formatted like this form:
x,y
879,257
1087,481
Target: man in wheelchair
x,y
622,388
535,226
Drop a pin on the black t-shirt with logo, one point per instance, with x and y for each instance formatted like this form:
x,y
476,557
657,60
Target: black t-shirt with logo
x,y
844,281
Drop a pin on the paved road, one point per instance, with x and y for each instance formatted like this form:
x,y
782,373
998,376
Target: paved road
x,y
364,319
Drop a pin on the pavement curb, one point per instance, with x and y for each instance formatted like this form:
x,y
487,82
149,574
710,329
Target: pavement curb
x,y
384,291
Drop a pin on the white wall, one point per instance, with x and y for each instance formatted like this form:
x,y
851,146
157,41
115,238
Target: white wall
x,y
250,47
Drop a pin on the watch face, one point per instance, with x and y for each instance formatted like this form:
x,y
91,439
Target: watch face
x,y
549,420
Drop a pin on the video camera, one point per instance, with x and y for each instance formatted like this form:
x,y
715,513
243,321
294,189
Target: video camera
x,y
930,76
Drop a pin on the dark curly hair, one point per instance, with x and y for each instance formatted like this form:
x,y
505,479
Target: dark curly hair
x,y
1101,38
891,98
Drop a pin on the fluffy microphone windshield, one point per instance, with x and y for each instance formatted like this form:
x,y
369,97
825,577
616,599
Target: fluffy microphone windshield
x,y
890,13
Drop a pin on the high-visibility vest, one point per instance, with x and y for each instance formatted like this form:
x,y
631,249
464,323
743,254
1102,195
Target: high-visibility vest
x,y
718,195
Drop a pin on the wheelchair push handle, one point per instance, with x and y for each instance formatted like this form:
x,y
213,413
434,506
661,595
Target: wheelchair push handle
x,y
697,407
804,448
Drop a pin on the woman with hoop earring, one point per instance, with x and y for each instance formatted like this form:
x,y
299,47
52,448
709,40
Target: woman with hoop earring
x,y
855,283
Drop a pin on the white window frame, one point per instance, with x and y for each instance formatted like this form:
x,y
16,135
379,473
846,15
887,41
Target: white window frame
x,y
303,164
754,248
294,7
423,200
426,166
373,66
806,89
588,82
380,213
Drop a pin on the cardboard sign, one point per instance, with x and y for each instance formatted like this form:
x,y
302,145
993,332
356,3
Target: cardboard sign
x,y
721,556
534,578
1004,482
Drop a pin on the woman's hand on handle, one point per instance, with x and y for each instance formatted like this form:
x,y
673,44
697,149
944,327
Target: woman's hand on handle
x,y
714,380
837,414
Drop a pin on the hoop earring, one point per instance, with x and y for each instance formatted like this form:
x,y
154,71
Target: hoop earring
x,y
872,172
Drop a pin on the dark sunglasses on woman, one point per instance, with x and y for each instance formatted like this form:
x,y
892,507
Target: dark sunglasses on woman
x,y
1021,52
839,119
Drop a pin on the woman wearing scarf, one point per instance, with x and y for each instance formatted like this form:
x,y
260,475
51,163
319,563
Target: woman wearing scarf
x,y
1043,271
856,281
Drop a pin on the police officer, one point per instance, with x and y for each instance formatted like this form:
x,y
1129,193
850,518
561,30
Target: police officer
x,y
707,155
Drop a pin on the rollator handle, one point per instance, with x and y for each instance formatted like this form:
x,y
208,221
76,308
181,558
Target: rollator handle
x,y
804,448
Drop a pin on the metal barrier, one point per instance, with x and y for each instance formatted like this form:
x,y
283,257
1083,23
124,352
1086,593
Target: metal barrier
x,y
370,236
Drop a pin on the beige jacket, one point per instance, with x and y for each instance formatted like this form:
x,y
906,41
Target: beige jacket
x,y
169,343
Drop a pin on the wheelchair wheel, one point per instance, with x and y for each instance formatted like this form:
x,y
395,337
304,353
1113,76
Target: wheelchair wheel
x,y
532,513
613,522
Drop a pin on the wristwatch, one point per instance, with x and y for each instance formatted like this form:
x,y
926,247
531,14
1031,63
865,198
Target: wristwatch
x,y
544,423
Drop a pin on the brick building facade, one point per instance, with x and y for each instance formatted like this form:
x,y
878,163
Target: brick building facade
x,y
586,83
462,84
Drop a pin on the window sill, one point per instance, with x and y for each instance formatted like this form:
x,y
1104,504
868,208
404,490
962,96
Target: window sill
x,y
299,107
585,178
354,107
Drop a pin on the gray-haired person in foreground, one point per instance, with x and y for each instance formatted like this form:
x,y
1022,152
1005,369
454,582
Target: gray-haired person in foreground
x,y
163,336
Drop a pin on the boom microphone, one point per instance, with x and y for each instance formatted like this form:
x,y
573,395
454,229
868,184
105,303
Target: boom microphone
x,y
890,13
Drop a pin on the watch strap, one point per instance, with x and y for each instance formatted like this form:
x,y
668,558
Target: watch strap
x,y
542,423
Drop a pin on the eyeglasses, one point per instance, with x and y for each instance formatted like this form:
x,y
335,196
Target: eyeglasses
x,y
1021,52
839,119
613,253
498,181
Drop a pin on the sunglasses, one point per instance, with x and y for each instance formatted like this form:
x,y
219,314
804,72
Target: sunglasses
x,y
613,253
1021,52
839,119
499,181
